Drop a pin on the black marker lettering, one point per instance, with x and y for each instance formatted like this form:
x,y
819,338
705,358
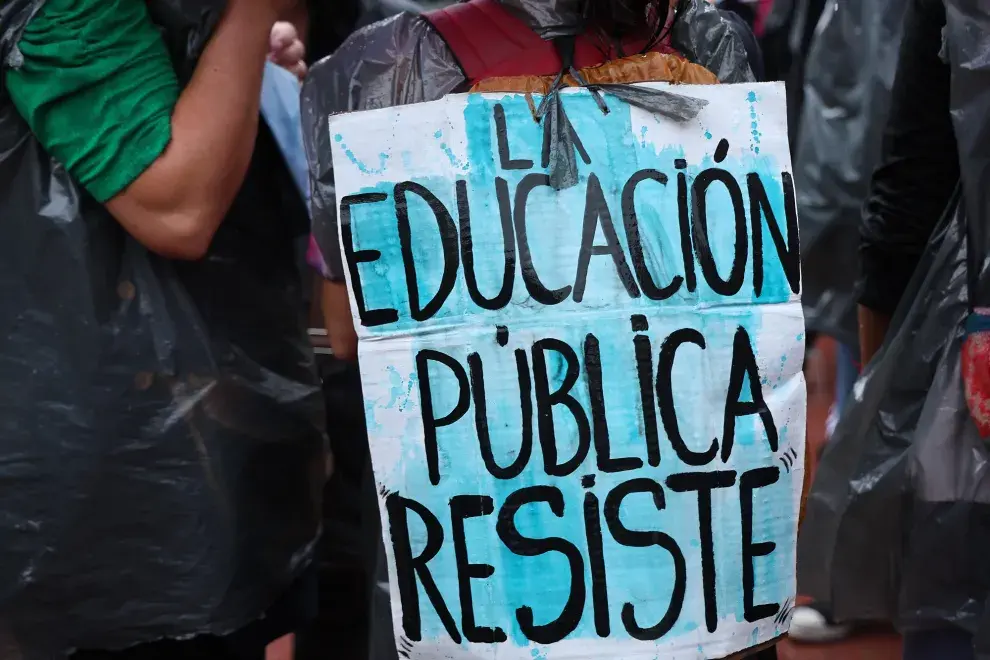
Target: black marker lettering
x,y
631,222
648,402
596,558
548,136
407,567
634,539
504,294
569,618
461,508
703,483
665,397
684,223
789,250
743,367
534,286
748,482
703,248
596,213
448,238
430,421
599,418
477,376
501,134
525,405
546,400
722,150
369,317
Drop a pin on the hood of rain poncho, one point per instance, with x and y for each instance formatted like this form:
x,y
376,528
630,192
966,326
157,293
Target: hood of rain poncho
x,y
849,76
163,447
896,527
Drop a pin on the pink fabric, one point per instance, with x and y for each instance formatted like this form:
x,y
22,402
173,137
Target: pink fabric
x,y
315,258
763,9
976,379
491,42
976,369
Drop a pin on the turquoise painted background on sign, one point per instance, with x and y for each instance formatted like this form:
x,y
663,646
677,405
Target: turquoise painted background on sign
x,y
641,576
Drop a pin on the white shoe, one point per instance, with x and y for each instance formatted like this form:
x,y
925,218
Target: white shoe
x,y
813,624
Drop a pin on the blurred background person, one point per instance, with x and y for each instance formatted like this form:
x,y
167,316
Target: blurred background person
x,y
848,77
907,150
176,484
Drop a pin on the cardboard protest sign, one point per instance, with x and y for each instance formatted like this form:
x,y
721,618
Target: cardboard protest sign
x,y
586,407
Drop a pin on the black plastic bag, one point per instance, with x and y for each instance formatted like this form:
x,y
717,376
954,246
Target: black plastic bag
x,y
848,80
856,545
404,60
163,450
898,520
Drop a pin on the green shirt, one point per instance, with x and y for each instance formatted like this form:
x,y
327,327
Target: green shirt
x,y
97,88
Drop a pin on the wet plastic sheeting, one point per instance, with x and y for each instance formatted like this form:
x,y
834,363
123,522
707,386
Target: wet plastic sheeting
x,y
403,60
967,46
898,522
163,449
554,18
707,37
848,80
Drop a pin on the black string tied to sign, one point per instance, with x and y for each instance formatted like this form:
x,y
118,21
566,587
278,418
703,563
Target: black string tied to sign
x,y
560,149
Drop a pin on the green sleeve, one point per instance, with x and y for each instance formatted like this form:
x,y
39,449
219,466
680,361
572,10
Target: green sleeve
x,y
97,88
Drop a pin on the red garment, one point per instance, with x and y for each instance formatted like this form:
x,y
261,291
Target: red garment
x,y
489,42
976,369
763,9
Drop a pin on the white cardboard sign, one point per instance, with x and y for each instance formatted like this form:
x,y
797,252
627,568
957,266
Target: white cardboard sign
x,y
586,407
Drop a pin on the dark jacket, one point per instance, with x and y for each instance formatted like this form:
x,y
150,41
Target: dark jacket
x,y
919,166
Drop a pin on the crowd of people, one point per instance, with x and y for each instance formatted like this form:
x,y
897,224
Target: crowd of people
x,y
184,470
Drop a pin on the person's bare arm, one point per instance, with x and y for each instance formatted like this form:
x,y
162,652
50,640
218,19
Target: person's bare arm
x,y
175,207
337,318
873,326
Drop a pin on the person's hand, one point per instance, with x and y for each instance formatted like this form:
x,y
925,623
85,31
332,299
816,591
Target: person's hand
x,y
286,49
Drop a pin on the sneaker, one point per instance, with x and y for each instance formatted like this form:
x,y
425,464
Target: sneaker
x,y
813,624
